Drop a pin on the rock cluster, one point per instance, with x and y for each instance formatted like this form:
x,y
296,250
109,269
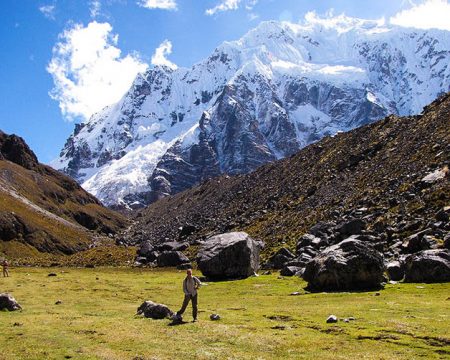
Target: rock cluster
x,y
168,254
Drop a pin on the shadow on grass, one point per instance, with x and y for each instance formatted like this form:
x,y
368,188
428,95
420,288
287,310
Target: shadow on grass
x,y
176,323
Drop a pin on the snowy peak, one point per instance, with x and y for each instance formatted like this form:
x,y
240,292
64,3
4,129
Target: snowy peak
x,y
254,100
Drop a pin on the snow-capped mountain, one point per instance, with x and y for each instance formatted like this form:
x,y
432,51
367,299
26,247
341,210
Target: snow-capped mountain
x,y
252,101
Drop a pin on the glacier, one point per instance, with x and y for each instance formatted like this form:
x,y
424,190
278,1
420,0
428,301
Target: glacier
x,y
263,97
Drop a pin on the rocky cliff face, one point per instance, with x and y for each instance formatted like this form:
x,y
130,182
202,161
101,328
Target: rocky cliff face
x,y
261,98
44,211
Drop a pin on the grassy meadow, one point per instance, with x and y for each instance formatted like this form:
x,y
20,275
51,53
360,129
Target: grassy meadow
x,y
260,319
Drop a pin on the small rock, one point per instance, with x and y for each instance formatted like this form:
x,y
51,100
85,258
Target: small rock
x,y
295,293
346,320
442,216
52,274
377,294
351,318
214,317
435,176
395,270
58,302
290,270
332,319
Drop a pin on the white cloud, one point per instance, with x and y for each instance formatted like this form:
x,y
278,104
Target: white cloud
x,y
252,16
251,4
158,4
48,11
95,7
88,70
224,5
159,57
428,14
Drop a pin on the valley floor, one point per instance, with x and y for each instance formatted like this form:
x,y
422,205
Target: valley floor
x,y
260,319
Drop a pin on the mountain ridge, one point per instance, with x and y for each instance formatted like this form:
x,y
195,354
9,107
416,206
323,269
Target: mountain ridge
x,y
252,101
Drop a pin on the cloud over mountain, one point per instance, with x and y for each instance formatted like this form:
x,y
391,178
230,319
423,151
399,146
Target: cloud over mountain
x,y
89,71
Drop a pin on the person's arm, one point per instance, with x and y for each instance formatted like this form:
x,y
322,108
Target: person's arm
x,y
185,290
198,283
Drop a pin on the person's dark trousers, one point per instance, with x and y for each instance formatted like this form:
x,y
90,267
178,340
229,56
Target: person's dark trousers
x,y
187,298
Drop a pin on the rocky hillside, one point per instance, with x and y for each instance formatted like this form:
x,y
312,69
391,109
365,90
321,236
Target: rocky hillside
x,y
388,181
44,211
261,98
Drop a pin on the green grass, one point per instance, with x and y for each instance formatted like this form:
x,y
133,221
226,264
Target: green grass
x,y
260,320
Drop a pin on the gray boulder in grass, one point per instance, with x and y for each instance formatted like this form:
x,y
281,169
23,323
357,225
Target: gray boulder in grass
x,y
8,302
350,265
233,255
428,266
154,311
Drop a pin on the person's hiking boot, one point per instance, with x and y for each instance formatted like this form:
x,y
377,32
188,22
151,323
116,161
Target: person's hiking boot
x,y
195,320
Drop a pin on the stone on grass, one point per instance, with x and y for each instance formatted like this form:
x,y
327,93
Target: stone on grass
x,y
233,255
395,270
332,319
8,302
154,311
214,317
291,271
349,265
428,266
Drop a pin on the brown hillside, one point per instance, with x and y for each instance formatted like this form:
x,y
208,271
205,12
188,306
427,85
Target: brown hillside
x,y
375,171
43,211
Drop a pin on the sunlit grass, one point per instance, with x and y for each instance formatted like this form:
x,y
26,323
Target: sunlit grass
x,y
260,319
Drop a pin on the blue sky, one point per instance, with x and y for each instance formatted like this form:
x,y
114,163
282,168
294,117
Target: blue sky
x,y
43,41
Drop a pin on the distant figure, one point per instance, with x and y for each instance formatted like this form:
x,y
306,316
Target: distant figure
x,y
190,286
5,266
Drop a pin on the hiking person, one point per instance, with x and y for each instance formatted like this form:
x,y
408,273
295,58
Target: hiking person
x,y
190,287
5,266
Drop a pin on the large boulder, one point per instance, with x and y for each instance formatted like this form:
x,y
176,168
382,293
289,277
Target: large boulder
x,y
8,302
429,266
349,265
171,258
154,311
231,255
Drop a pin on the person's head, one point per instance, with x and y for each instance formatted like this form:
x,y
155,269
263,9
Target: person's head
x,y
189,272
